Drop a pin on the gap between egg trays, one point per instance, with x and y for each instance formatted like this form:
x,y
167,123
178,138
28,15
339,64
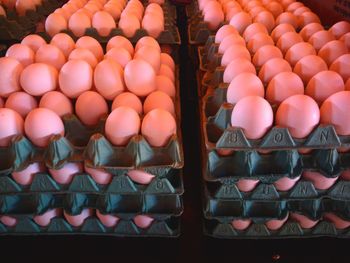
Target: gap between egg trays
x,y
163,226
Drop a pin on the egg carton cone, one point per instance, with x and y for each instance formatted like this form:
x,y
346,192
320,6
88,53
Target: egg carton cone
x,y
219,228
162,226
266,202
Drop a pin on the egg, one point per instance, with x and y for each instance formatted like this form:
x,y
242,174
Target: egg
x,y
338,222
150,55
347,84
265,53
272,67
334,111
120,42
65,174
75,77
64,42
342,66
143,221
158,100
340,29
22,53
21,102
280,30
323,85
9,4
223,32
39,131
256,10
11,125
128,99
247,185
241,224
10,72
319,181
283,86
287,40
253,29
147,41
33,41
129,25
78,220
107,220
240,21
285,183
140,177
100,176
8,221
57,102
158,126
332,50
259,40
234,52
167,60
287,18
298,51
92,44
78,23
45,219
166,85
35,85
55,23
229,41
275,224
346,39
275,8
308,18
153,25
62,12
265,18
51,55
303,221
301,10
309,66
236,67
122,124
113,10
23,6
119,55
139,77
83,54
300,114
214,17
309,30
103,22
320,38
231,12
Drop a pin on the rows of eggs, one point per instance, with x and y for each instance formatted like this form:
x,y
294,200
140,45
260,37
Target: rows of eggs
x,y
63,73
20,6
306,74
108,220
104,16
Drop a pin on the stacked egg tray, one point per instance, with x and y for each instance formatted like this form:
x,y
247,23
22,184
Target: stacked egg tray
x,y
14,27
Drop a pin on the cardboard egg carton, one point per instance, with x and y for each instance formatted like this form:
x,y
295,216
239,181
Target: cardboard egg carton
x,y
162,226
221,228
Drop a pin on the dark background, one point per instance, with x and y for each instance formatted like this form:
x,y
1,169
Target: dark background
x,y
192,245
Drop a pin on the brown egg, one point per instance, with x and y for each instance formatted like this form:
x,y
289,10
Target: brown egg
x,y
229,41
281,30
92,44
309,66
236,67
113,10
253,29
287,18
340,28
21,102
265,18
320,38
234,52
64,42
332,50
275,8
231,12
55,23
165,70
90,115
259,40
147,41
128,99
119,55
342,66
288,40
272,67
153,25
265,53
10,71
158,100
256,10
309,30
223,32
300,10
22,6
83,54
308,18
11,125
150,55
347,84
62,12
78,23
57,102
103,22
129,25
240,21
33,41
298,51
291,7
120,42
167,60
166,85
22,53
346,39
50,55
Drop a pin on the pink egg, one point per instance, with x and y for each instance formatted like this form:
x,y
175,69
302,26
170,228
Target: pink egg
x,y
300,114
158,126
64,42
139,77
240,21
147,41
234,52
78,220
259,40
265,18
287,40
273,67
303,221
254,29
166,85
323,85
275,224
12,125
340,29
57,102
33,41
22,6
247,185
285,183
150,55
21,102
22,53
140,177
309,30
75,77
308,18
167,60
128,99
281,30
309,66
83,54
65,174
107,220
26,176
332,50
45,219
265,53
338,222
129,25
38,78
120,42
214,17
287,18
108,79
334,111
252,87
254,120
320,38
119,55
241,224
236,67
230,41
92,44
143,221
103,22
100,176
122,124
39,131
158,100
55,23
78,23
298,51
51,55
342,66
223,32
283,86
320,181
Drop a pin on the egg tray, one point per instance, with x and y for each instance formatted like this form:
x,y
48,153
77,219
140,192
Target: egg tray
x,y
15,27
191,9
198,31
162,226
219,228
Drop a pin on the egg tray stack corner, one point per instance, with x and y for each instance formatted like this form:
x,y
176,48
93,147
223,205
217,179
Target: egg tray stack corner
x,y
161,198
223,202
14,27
